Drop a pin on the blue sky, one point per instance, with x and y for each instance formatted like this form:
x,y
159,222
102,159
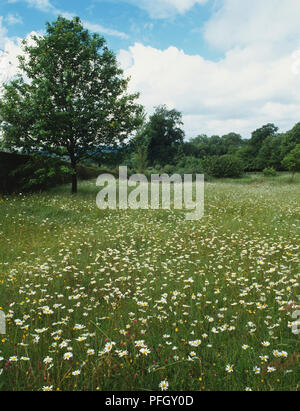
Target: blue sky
x,y
134,24
227,65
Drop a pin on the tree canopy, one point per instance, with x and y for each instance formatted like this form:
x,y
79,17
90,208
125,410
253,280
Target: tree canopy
x,y
164,135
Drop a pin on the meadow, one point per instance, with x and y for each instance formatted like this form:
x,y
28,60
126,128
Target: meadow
x,y
146,300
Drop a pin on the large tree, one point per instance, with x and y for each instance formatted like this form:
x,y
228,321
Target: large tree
x,y
72,97
164,135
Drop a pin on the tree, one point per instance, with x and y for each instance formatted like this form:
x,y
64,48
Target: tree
x,y
258,136
269,154
164,135
231,143
75,99
290,139
292,160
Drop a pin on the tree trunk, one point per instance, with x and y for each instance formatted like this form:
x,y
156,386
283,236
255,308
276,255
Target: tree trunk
x,y
74,183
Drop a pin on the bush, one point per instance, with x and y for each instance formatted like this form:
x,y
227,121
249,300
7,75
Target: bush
x,y
8,163
87,172
21,173
269,172
169,169
39,173
227,165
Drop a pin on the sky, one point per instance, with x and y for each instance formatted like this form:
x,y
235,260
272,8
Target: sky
x,y
226,65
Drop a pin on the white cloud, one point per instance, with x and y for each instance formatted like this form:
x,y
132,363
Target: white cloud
x,y
13,19
238,93
3,32
256,82
103,30
9,62
241,23
165,8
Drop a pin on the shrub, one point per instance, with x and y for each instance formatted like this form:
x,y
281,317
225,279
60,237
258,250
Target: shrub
x,y
189,165
87,172
269,172
21,173
39,173
227,165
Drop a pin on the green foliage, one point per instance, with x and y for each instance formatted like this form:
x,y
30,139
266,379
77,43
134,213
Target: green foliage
x,y
8,163
163,135
270,153
189,165
39,173
224,166
140,159
292,160
269,172
21,173
290,139
204,146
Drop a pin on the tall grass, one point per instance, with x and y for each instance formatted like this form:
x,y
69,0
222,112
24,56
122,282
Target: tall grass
x,y
124,299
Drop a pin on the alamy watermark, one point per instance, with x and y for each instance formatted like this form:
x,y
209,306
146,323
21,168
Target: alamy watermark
x,y
2,323
153,195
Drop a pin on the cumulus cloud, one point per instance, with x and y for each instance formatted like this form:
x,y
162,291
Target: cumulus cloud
x,y
239,23
256,82
165,8
13,19
238,93
3,33
9,63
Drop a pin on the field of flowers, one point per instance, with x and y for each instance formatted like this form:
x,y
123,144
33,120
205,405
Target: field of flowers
x,y
146,300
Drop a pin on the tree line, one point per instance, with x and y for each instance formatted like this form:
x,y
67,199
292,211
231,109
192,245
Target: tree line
x,y
160,143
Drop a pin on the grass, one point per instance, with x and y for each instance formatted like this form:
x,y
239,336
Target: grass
x,y
125,299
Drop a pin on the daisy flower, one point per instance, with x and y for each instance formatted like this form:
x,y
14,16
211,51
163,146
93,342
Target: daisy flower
x,y
229,368
163,385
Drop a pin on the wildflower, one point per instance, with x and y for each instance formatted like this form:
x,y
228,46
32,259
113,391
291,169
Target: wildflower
x,y
90,351
140,343
76,372
48,388
229,368
108,346
195,343
144,351
123,353
80,339
163,385
48,360
68,355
